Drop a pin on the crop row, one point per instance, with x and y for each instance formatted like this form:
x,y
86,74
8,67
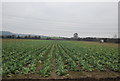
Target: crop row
x,y
21,57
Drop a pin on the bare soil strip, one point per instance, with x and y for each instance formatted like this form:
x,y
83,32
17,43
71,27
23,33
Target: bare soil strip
x,y
53,73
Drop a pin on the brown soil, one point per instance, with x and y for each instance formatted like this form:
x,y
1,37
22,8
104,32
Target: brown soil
x,y
70,75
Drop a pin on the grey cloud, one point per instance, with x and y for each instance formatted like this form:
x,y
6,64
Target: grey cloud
x,y
61,19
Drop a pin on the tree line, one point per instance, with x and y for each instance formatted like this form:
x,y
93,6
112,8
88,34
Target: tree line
x,y
115,40
20,37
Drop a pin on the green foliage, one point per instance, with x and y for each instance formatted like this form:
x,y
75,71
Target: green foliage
x,y
60,65
45,71
21,56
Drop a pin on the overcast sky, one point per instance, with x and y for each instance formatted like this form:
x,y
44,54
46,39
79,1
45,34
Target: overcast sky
x,y
97,19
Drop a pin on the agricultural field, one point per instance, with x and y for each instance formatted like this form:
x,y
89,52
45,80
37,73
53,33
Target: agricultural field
x,y
58,59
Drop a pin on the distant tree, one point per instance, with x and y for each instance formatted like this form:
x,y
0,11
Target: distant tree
x,y
18,37
48,38
13,36
3,36
79,39
39,37
9,36
35,37
26,37
105,39
29,36
75,36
